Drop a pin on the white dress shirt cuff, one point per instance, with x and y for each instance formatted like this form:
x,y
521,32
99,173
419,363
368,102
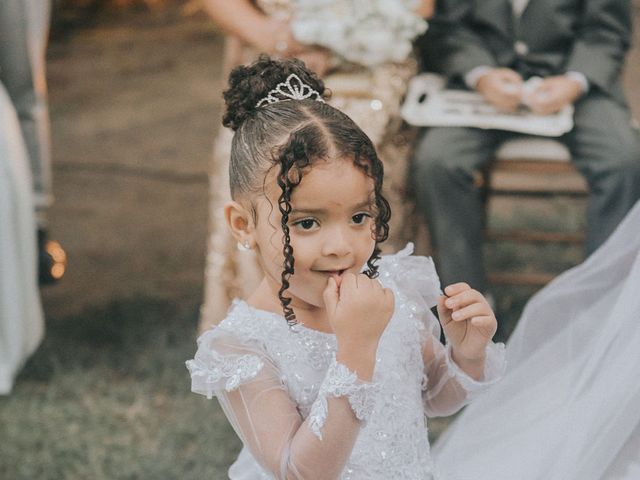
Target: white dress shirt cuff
x,y
472,76
581,79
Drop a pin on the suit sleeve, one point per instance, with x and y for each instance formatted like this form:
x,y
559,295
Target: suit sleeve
x,y
602,41
450,46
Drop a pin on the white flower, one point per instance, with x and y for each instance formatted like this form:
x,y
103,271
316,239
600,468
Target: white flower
x,y
369,32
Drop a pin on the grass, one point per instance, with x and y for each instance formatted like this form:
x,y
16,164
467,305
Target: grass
x,y
107,397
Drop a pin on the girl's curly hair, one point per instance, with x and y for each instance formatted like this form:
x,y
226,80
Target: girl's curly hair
x,y
291,136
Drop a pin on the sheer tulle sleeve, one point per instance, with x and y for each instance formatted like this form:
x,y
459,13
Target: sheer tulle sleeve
x,y
251,391
447,388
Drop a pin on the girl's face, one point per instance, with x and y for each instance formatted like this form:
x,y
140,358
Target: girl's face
x,y
331,227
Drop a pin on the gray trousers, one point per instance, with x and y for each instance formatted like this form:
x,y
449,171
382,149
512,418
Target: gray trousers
x,y
24,28
604,148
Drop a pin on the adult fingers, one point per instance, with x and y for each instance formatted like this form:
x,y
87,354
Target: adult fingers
x,y
505,102
507,74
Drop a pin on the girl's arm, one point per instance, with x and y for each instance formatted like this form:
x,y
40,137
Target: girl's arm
x,y
452,383
268,422
266,415
267,419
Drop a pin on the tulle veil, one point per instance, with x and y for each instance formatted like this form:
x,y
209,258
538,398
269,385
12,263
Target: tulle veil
x,y
568,407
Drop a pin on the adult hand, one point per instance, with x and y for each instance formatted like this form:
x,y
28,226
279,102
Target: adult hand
x,y
425,8
502,87
278,40
467,320
316,59
552,94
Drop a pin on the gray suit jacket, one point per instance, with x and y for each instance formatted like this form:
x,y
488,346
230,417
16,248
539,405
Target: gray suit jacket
x,y
550,37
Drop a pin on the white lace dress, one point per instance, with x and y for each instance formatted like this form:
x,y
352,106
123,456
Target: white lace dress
x,y
281,386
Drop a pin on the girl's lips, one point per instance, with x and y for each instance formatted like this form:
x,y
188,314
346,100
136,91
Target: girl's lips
x,y
337,277
335,274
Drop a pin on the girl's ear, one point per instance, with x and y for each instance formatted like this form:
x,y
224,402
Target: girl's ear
x,y
240,221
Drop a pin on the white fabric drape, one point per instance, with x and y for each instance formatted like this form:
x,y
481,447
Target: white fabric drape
x,y
568,407
21,319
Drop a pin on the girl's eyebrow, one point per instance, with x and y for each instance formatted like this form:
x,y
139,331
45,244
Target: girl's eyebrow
x,y
316,211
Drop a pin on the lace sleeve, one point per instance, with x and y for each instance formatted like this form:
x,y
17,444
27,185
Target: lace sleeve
x,y
251,392
447,388
342,382
225,367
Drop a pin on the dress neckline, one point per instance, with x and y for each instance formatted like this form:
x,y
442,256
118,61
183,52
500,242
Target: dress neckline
x,y
298,327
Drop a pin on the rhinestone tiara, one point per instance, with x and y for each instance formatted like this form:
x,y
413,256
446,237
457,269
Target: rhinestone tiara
x,y
291,89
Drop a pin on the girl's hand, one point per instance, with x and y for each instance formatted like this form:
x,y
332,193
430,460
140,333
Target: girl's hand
x,y
468,321
358,309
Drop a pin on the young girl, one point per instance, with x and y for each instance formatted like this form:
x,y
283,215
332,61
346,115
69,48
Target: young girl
x,y
370,94
324,371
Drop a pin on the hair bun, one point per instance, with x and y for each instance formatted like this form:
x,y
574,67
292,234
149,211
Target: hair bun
x,y
250,84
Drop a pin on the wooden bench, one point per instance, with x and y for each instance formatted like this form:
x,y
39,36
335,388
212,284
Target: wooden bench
x,y
530,167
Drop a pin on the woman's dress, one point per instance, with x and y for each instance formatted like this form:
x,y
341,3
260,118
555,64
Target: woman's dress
x,y
21,318
372,98
568,407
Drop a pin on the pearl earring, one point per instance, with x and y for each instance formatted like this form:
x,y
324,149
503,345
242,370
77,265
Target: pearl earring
x,y
244,247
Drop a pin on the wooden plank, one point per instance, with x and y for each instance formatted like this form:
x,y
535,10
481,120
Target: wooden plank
x,y
532,166
520,278
529,177
535,236
521,182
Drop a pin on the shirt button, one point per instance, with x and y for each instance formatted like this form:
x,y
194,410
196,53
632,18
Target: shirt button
x,y
521,48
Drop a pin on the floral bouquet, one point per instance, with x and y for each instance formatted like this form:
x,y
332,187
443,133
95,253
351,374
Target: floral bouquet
x,y
368,32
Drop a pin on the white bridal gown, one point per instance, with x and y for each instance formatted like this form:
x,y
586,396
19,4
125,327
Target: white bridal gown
x,y
21,320
568,407
276,385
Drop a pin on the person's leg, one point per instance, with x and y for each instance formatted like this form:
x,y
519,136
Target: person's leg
x,y
445,164
606,150
25,27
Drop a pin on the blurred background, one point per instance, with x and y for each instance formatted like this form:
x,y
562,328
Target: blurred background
x,y
135,98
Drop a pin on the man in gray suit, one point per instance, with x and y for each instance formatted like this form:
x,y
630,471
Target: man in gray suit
x,y
24,28
492,46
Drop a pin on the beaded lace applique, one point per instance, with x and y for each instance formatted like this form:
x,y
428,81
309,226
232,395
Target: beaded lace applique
x,y
232,369
342,382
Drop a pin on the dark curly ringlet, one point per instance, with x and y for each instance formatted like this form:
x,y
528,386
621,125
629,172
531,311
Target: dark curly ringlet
x,y
290,136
